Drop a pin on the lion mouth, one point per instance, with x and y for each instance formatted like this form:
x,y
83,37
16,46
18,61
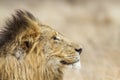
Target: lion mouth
x,y
68,63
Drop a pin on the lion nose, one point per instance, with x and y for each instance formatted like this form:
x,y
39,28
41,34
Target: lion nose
x,y
79,50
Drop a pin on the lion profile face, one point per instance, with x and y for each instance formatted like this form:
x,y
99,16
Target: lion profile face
x,y
35,48
58,50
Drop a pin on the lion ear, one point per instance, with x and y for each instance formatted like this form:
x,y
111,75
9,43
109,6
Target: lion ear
x,y
30,32
23,29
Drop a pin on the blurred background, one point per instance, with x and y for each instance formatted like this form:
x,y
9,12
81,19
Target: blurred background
x,y
95,24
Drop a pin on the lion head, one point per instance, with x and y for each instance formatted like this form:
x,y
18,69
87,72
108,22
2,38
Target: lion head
x,y
30,50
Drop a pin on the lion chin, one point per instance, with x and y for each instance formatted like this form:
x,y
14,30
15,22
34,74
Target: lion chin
x,y
75,66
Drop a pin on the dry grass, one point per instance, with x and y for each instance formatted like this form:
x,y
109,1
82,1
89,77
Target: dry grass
x,y
94,24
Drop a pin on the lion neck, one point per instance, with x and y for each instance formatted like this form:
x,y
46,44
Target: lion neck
x,y
31,68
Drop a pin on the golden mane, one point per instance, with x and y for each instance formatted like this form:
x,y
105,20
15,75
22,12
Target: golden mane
x,y
32,51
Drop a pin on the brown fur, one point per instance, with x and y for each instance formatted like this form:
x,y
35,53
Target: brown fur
x,y
30,50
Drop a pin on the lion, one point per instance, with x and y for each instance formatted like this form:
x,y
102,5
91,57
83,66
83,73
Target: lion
x,y
30,50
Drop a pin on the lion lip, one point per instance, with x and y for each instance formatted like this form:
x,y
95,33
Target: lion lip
x,y
66,63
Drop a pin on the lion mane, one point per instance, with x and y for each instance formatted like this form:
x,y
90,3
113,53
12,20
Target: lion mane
x,y
22,55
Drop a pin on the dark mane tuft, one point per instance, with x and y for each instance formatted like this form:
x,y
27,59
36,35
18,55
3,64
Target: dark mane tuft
x,y
16,25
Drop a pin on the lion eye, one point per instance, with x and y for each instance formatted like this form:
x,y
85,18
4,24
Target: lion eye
x,y
56,38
